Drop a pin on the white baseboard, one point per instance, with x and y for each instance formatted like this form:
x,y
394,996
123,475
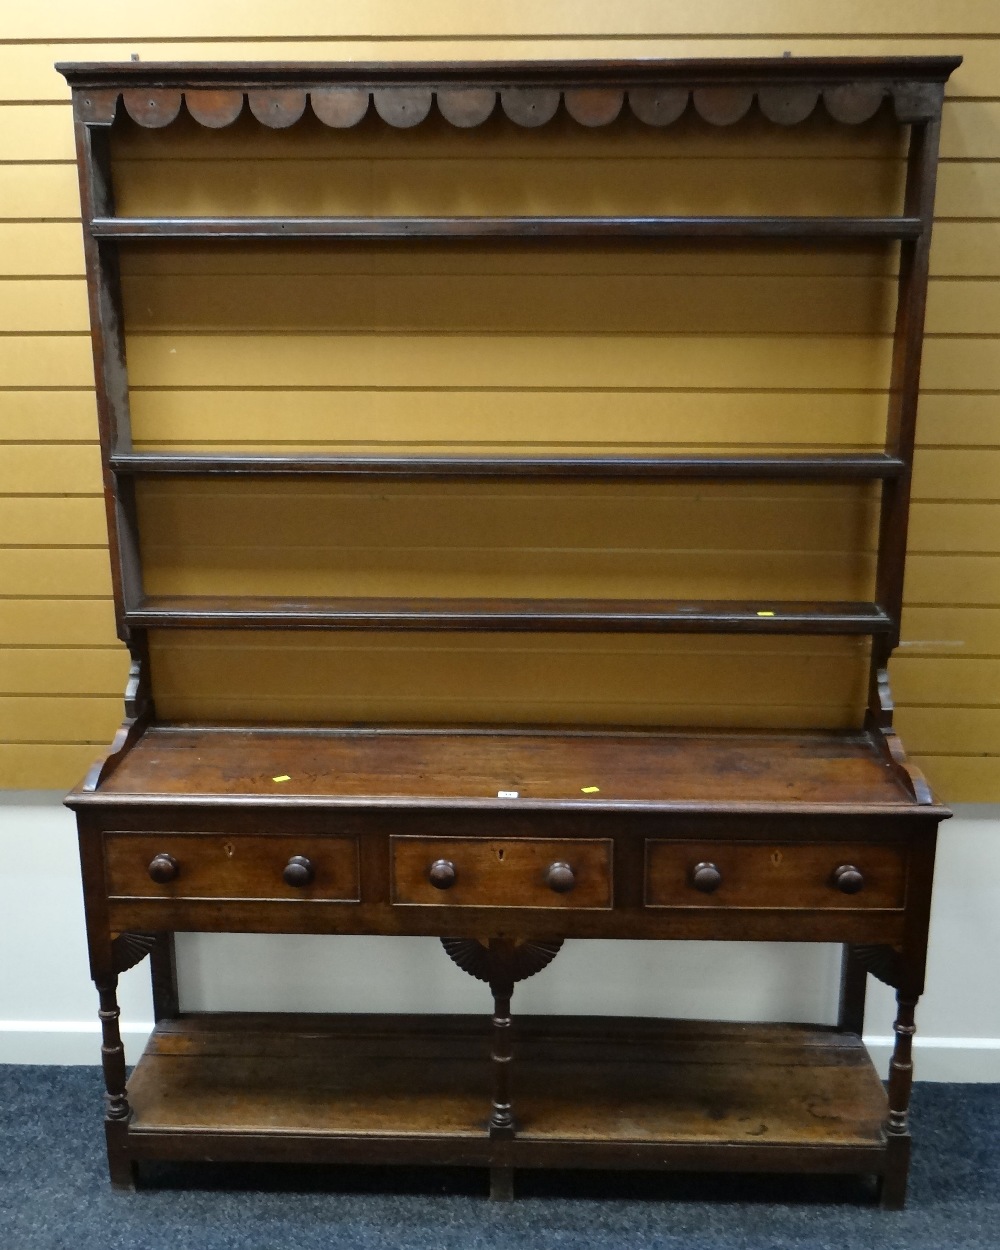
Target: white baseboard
x,y
79,1042
64,1041
944,1058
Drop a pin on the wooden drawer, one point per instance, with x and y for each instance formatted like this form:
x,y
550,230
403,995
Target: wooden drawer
x,y
775,875
514,872
237,866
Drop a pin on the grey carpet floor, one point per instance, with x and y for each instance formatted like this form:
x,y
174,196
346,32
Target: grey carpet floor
x,y
54,1194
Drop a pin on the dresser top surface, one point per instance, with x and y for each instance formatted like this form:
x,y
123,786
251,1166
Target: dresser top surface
x,y
516,767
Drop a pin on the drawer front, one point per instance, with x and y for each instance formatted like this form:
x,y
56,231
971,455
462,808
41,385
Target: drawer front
x,y
509,872
238,866
807,876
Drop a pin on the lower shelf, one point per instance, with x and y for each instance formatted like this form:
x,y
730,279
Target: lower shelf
x,y
587,1092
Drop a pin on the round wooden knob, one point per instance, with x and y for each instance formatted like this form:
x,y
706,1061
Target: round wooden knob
x,y
848,879
560,878
299,871
706,877
442,874
163,868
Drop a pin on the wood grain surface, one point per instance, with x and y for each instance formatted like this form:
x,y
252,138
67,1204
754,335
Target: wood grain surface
x,y
758,1085
444,766
774,874
500,873
243,866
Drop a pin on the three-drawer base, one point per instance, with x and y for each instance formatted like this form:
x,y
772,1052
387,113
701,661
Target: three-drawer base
x,y
460,875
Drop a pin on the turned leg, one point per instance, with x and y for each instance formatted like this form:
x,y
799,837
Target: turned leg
x,y
501,962
117,1112
501,1122
897,1162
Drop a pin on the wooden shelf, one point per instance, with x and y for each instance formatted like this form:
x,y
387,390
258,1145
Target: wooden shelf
x,y
689,71
640,1093
585,228
845,466
577,615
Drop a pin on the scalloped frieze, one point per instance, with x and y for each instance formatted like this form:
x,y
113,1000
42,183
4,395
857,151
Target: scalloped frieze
x,y
277,109
153,107
529,106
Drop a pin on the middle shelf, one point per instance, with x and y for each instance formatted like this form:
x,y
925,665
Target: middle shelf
x,y
615,544
638,228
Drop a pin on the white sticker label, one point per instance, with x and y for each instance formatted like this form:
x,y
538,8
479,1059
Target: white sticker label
x,y
507,794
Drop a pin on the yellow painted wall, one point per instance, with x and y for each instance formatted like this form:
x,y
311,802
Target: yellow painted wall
x,y
761,347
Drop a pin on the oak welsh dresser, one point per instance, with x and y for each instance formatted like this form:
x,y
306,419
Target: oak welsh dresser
x,y
491,838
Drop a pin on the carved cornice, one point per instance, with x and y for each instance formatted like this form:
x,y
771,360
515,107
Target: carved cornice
x,y
785,90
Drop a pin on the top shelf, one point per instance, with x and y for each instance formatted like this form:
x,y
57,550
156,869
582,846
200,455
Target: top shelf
x,y
645,71
583,228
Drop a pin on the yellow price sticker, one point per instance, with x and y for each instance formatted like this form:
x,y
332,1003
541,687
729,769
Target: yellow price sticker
x,y
283,777
590,789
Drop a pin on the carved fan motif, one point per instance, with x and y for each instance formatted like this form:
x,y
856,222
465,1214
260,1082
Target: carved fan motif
x,y
129,948
472,956
881,961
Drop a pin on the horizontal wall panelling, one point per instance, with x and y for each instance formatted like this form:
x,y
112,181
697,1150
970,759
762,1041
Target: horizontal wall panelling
x,y
564,315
